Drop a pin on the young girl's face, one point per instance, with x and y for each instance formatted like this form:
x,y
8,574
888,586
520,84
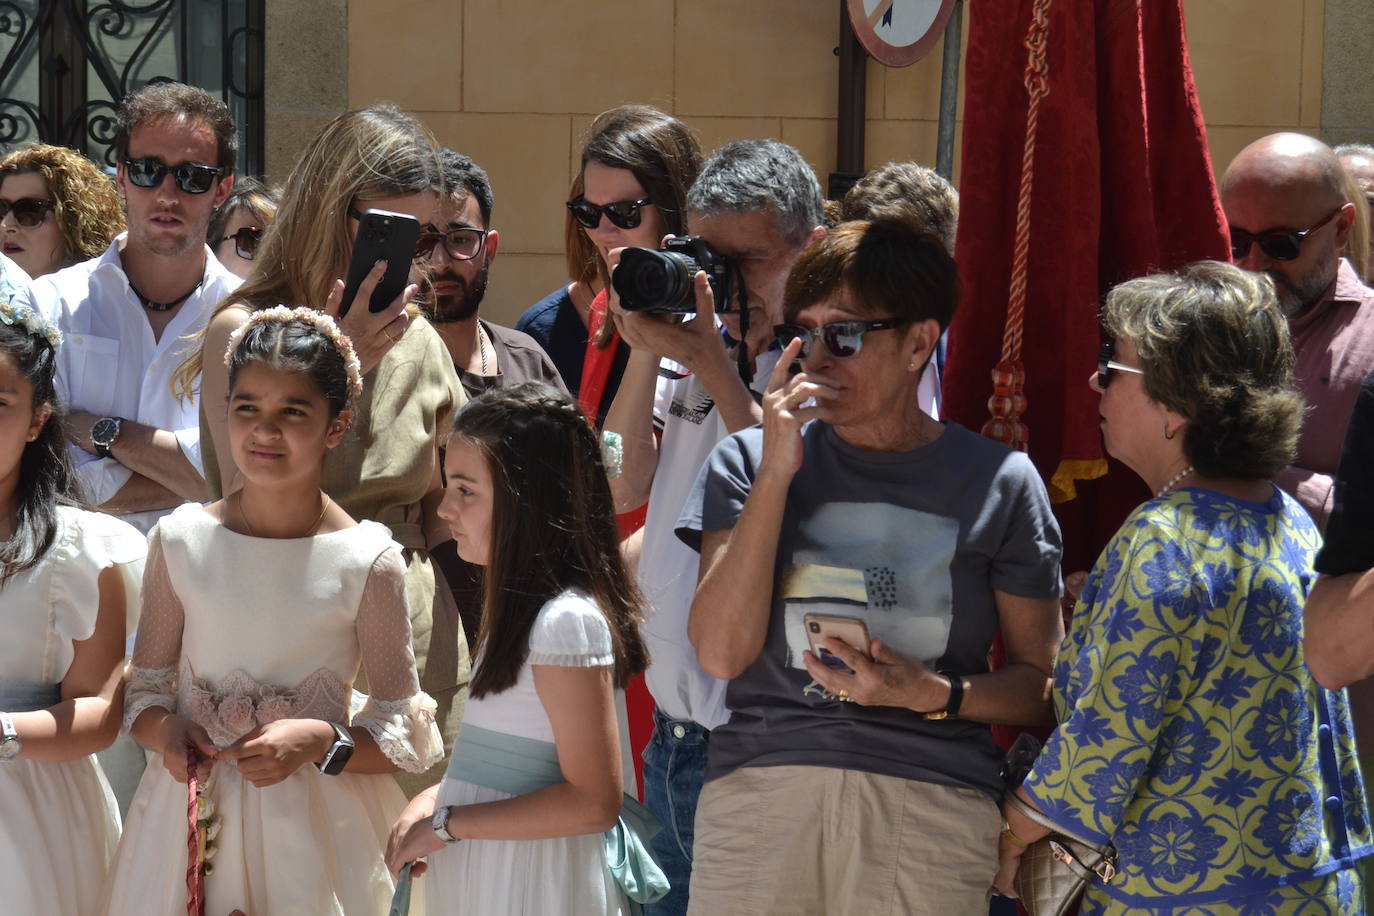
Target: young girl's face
x,y
468,501
20,423
279,425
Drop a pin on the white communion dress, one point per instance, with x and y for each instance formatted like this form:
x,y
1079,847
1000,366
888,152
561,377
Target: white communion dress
x,y
564,875
59,822
239,631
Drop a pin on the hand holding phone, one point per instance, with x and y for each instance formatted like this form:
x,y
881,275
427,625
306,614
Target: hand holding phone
x,y
852,631
382,236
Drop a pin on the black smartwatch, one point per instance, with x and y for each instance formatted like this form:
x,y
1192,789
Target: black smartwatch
x,y
956,699
339,752
104,432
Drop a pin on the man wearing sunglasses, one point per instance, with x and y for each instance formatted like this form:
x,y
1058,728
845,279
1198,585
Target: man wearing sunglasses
x,y
127,314
1285,200
758,203
459,250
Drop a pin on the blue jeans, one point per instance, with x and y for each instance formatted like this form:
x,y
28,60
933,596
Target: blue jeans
x,y
674,766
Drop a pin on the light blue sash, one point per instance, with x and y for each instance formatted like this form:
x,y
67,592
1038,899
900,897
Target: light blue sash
x,y
20,696
519,766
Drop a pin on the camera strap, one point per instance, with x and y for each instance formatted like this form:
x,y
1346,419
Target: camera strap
x,y
746,362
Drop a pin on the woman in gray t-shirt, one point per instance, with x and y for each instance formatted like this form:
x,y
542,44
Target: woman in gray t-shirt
x,y
858,560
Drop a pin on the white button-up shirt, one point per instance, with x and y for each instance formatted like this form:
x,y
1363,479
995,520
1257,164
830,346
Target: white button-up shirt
x,y
111,365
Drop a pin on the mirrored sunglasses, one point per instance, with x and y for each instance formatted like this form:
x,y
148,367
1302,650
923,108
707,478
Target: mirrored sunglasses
x,y
246,241
29,212
462,244
1106,366
1279,245
622,213
189,176
842,339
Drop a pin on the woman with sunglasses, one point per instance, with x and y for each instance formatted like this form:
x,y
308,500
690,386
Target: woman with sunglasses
x,y
56,209
386,469
1192,736
237,226
858,559
637,166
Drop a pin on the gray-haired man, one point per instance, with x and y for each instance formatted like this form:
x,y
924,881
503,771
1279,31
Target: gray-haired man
x,y
757,203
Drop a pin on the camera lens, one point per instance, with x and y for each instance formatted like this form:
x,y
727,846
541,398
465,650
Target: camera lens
x,y
815,627
659,281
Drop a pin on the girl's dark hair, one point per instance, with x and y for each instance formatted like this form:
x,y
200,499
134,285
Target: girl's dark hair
x,y
45,472
553,527
295,346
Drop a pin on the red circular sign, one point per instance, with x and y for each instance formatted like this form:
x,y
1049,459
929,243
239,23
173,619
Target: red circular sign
x,y
899,32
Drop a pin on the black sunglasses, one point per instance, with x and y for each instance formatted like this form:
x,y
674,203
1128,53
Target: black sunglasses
x,y
189,176
842,338
28,211
1279,245
461,244
622,213
1106,366
246,241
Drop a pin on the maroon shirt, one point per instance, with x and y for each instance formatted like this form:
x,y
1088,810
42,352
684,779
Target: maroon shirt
x,y
1334,341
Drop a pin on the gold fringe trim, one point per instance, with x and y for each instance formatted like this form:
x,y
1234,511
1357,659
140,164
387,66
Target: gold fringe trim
x,y
1062,485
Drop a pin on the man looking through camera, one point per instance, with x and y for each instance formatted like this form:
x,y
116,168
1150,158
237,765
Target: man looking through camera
x,y
758,204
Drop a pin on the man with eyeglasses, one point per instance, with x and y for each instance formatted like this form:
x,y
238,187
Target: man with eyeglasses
x,y
758,203
458,252
126,315
1286,203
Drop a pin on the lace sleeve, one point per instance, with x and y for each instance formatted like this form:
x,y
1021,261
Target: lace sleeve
x,y
396,713
157,648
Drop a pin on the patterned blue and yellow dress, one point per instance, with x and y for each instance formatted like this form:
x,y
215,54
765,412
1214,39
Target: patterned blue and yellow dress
x,y
1192,735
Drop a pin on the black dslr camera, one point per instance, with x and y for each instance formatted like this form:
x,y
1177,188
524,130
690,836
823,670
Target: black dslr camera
x,y
661,281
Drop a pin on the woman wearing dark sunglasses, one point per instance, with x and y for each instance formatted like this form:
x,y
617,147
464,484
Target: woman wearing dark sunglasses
x,y
56,209
858,559
239,223
636,168
1192,735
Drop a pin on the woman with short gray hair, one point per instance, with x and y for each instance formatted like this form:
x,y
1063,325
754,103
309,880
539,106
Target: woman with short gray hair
x,y
1192,736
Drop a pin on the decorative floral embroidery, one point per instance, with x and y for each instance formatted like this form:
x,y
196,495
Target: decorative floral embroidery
x,y
238,704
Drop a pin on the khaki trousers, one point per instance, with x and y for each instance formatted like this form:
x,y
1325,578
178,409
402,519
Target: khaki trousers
x,y
800,840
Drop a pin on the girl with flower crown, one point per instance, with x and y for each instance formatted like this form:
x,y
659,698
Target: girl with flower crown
x,y
66,578
256,612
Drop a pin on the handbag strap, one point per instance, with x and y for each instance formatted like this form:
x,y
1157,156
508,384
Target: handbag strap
x,y
1104,868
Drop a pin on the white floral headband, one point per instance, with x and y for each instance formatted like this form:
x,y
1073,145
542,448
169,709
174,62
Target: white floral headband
x,y
21,316
321,322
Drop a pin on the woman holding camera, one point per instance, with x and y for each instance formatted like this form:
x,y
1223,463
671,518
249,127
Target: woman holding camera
x,y
636,169
858,558
386,469
1192,736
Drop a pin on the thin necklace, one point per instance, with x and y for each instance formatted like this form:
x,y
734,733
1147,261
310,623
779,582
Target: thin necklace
x,y
152,306
1171,484
313,528
482,346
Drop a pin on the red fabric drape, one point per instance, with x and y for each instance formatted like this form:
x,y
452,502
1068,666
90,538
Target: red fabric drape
x,y
1123,187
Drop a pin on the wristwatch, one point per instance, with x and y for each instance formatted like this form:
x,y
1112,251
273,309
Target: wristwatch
x,y
339,752
10,745
956,698
104,432
439,824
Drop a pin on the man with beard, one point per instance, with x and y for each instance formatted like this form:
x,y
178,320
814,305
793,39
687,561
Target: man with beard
x,y
462,250
127,314
1285,200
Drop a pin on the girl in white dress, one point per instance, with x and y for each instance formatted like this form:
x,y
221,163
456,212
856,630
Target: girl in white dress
x,y
536,776
256,612
65,578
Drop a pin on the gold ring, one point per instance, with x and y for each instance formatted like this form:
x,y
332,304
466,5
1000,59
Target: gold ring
x,y
388,334
843,694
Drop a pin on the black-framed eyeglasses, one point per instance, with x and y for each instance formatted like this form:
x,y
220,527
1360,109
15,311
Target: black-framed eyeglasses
x,y
1106,366
29,212
461,244
842,338
622,213
246,241
1278,244
191,177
